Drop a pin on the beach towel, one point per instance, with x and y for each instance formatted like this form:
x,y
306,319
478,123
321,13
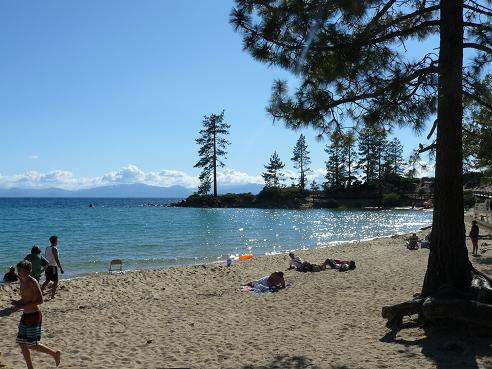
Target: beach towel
x,y
258,288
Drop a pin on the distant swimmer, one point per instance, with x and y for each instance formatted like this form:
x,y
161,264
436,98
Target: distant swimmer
x,y
92,205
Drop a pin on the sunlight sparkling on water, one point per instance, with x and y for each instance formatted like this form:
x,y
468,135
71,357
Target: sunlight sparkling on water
x,y
148,237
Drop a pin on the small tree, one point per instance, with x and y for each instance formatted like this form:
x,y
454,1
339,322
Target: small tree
x,y
314,187
335,165
393,157
212,148
273,176
301,160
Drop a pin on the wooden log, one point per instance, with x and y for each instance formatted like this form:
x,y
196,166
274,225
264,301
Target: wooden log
x,y
395,313
464,310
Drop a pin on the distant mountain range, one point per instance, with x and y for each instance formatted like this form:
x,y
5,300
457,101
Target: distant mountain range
x,y
123,190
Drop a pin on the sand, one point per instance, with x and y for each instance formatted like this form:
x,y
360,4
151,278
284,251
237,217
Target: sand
x,y
196,317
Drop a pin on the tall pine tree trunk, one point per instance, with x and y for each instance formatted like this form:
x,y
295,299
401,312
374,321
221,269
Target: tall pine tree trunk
x,y
448,259
380,180
349,164
215,159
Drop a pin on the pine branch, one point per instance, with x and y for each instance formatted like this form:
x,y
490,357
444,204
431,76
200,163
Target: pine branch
x,y
477,10
477,25
478,100
472,45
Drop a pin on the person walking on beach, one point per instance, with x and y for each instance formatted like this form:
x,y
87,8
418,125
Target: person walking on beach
x,y
38,261
29,333
474,231
51,272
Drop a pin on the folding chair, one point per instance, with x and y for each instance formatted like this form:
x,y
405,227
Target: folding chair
x,y
115,262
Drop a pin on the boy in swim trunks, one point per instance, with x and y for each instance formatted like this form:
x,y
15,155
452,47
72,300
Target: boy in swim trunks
x,y
29,333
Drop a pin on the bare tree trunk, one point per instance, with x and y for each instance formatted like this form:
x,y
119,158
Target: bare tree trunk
x,y
215,159
448,259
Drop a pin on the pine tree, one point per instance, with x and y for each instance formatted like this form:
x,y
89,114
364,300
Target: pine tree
x,y
301,160
335,165
367,155
212,148
349,146
273,176
393,158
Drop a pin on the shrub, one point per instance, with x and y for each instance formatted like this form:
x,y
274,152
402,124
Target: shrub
x,y
390,199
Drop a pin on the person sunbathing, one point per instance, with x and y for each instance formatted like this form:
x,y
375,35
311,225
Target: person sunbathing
x,y
305,266
340,265
273,281
294,261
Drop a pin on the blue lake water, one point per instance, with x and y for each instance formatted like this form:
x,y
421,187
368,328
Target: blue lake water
x,y
149,236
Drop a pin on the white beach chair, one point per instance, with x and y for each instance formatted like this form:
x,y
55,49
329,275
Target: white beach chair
x,y
116,263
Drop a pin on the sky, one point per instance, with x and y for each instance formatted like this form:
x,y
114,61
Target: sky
x,y
102,92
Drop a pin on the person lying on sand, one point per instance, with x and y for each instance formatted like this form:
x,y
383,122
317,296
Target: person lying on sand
x,y
294,261
340,265
274,281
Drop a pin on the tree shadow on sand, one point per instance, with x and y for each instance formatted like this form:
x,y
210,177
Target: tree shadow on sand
x,y
449,345
294,362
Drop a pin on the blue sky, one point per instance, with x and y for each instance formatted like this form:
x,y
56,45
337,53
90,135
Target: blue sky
x,y
98,91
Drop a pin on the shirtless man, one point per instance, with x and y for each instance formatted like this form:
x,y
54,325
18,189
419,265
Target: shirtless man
x,y
29,333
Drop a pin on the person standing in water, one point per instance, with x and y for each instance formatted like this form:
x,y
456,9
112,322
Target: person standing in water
x,y
29,333
51,272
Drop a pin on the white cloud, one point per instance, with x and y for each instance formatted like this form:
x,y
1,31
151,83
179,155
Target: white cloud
x,y
126,175
164,178
232,176
33,157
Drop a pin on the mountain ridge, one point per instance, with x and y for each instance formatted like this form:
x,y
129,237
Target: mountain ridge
x,y
135,190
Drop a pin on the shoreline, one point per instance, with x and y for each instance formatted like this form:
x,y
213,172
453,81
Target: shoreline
x,y
235,260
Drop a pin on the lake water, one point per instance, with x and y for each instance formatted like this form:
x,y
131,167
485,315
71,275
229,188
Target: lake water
x,y
148,236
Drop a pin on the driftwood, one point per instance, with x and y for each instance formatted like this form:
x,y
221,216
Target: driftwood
x,y
464,310
475,307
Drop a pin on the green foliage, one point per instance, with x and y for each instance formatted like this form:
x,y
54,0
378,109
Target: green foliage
x,y
301,159
350,57
212,148
336,171
314,187
287,197
273,176
390,199
372,146
230,200
393,157
477,135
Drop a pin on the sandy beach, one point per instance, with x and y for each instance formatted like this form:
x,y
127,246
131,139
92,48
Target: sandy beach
x,y
196,317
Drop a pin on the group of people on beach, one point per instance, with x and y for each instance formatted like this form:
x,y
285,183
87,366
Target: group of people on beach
x,y
413,241
28,274
276,281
